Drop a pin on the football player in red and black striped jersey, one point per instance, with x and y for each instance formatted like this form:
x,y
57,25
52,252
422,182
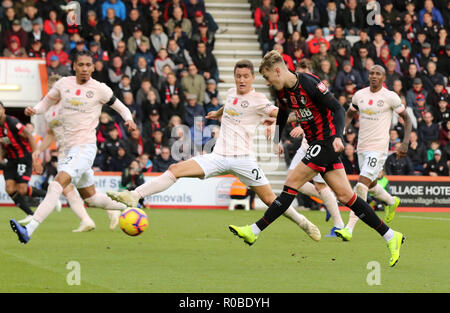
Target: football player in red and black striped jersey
x,y
322,119
17,145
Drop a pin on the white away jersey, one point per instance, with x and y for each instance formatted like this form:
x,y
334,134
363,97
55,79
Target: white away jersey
x,y
375,117
241,116
80,110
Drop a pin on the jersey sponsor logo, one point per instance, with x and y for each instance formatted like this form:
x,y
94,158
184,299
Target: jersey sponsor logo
x,y
75,102
232,112
369,112
304,114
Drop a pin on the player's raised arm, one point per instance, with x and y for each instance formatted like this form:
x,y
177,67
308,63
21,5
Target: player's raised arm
x,y
214,115
51,98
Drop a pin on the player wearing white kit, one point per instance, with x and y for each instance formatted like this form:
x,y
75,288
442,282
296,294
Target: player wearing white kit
x,y
376,106
82,98
233,152
56,132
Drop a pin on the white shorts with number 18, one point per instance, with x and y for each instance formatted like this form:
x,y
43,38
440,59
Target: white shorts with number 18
x,y
371,163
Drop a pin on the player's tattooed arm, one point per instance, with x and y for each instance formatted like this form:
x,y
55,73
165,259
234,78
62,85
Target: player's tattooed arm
x,y
403,150
349,116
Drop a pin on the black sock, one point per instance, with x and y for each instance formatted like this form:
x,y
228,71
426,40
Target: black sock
x,y
35,192
365,213
21,202
278,207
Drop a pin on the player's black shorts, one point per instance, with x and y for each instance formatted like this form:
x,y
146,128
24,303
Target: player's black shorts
x,y
19,170
321,156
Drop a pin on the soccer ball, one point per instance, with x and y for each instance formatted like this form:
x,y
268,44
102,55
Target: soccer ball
x,y
133,221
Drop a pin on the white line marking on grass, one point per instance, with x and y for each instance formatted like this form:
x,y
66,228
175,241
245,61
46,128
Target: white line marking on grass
x,y
426,218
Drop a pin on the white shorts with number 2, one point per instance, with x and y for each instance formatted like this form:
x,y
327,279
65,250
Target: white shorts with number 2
x,y
245,168
77,162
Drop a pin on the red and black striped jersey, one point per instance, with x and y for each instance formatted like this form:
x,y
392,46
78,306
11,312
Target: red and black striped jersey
x,y
319,113
18,147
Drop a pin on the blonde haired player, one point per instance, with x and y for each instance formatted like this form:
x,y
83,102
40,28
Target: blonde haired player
x,y
376,106
318,188
323,119
82,99
233,152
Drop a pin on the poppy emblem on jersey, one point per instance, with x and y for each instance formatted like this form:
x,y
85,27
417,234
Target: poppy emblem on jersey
x,y
244,104
380,103
370,102
322,87
78,92
90,94
235,101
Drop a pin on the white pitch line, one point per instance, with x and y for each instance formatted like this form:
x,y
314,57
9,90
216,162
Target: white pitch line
x,y
425,218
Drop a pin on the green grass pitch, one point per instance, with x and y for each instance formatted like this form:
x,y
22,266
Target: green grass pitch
x,y
193,251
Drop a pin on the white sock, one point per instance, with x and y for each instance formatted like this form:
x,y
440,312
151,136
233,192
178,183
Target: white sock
x,y
100,200
294,216
77,204
330,202
157,185
255,229
361,191
31,226
381,194
49,203
309,189
388,235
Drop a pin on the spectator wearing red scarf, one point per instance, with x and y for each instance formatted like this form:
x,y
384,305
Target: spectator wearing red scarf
x,y
269,31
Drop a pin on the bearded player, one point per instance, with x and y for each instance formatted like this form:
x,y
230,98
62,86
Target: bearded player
x,y
55,132
376,106
82,99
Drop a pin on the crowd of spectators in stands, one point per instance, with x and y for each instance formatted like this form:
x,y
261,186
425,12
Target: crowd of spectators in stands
x,y
341,41
157,57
